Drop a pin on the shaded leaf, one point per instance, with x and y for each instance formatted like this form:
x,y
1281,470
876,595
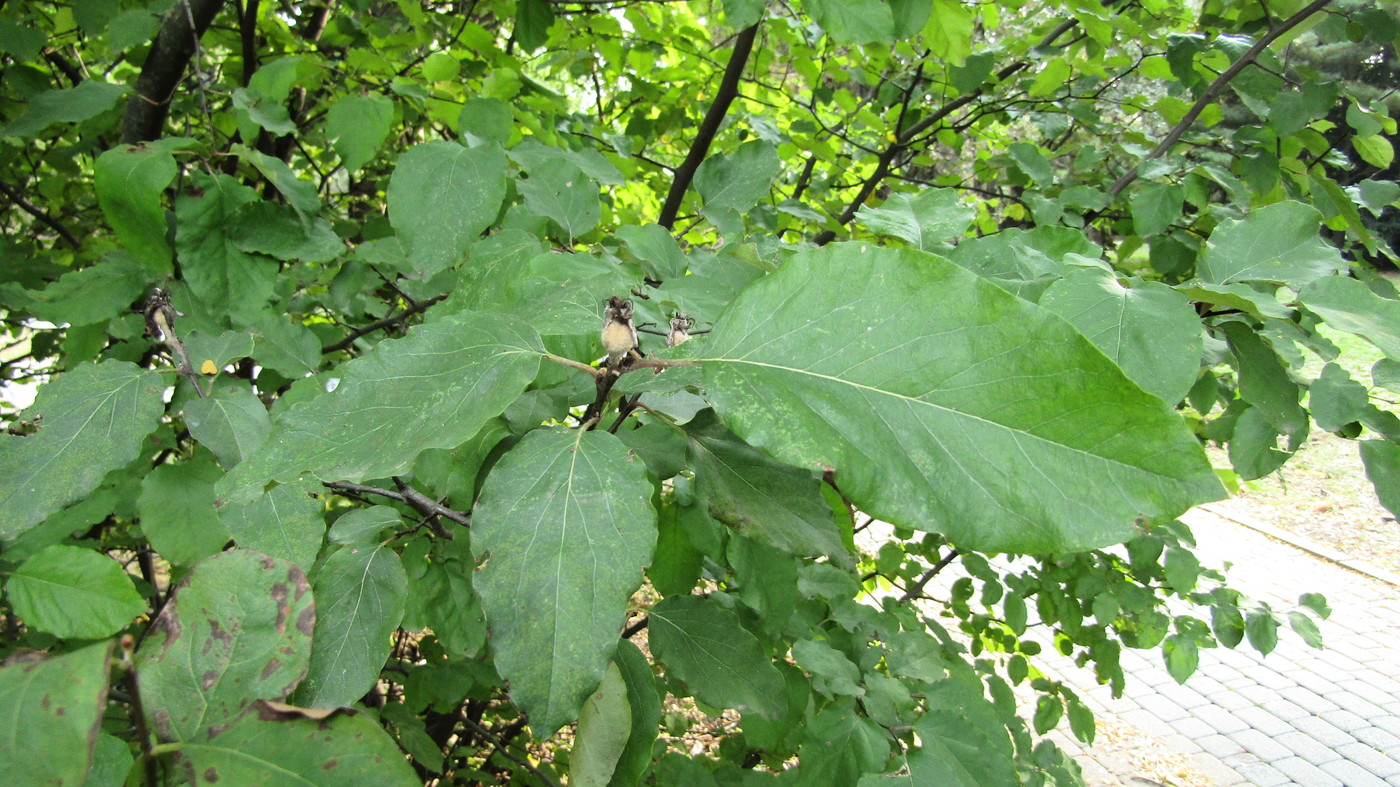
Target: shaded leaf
x,y
232,423
434,388
237,629
53,713
269,746
925,220
737,180
225,279
93,294
360,597
88,99
853,21
285,523
644,703
768,501
703,644
1147,328
1349,305
562,193
441,196
1276,243
358,126
839,746
943,403
91,420
177,511
604,726
130,183
565,517
73,593
1382,460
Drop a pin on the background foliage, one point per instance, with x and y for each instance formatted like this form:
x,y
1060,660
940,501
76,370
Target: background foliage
x,y
320,479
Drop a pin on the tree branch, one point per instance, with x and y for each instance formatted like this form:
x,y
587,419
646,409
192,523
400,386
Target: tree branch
x,y
1187,120
728,89
918,586
408,496
23,204
165,66
393,319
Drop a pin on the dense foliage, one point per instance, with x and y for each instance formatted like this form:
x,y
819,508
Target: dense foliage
x,y
327,476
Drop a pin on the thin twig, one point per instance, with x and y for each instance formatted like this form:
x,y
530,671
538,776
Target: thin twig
x,y
1215,87
39,214
394,319
918,586
409,496
504,752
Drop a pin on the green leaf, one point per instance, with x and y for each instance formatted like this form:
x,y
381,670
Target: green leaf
x,y
1335,400
1254,445
841,745
88,99
434,388
1227,624
300,193
1150,330
1277,243
838,674
276,230
220,350
1261,628
776,504
564,517
94,294
532,21
286,347
286,523
563,193
73,593
53,714
1236,296
222,276
1049,709
91,420
1264,382
263,112
232,423
1374,150
357,127
925,220
1306,628
362,526
130,183
441,197
943,403
1382,460
604,726
737,180
742,13
1317,603
1349,305
237,629
853,21
486,120
1156,208
360,597
1181,656
273,743
177,511
1032,162
655,249
704,644
644,703
964,734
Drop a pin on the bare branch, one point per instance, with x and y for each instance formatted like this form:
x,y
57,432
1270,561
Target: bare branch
x,y
165,66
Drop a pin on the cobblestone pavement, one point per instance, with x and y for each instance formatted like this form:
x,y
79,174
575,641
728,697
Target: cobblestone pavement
x,y
1297,716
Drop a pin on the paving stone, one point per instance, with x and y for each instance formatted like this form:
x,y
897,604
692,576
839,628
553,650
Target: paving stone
x,y
1375,737
1353,775
1344,720
1256,694
1304,773
1356,704
1311,681
1370,759
1307,700
1308,747
1219,746
1263,721
1220,720
1163,708
1323,731
1260,745
1262,774
1147,722
1185,697
1283,709
1390,724
1218,772
1195,729
1230,700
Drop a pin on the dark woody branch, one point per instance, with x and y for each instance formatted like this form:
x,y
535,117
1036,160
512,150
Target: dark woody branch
x,y
165,66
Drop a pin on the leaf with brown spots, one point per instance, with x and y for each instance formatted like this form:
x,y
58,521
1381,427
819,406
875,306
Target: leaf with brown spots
x,y
231,634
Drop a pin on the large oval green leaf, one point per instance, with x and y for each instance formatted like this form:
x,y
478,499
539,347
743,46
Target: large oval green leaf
x,y
565,525
441,196
238,629
90,421
52,715
434,388
943,403
73,592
